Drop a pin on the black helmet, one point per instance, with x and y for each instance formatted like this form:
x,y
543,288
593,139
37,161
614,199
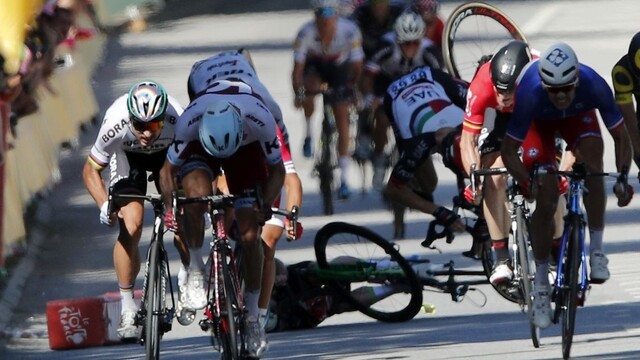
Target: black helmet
x,y
507,64
634,54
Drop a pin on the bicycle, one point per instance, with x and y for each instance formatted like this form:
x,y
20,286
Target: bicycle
x,y
572,283
225,311
326,161
154,316
467,44
523,263
357,263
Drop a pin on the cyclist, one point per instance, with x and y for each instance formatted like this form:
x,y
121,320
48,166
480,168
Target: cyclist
x,y
375,18
492,88
424,106
626,85
557,94
404,50
237,65
328,50
227,127
134,137
428,9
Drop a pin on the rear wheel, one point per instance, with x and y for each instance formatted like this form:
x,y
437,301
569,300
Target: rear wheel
x,y
153,305
364,265
473,32
572,279
324,165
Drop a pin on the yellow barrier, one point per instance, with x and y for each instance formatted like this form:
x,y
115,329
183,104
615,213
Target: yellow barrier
x,y
32,164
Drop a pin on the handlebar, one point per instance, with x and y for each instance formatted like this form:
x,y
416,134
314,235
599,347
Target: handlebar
x,y
292,215
154,199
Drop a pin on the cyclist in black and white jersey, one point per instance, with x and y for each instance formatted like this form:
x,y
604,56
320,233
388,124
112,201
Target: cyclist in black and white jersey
x,y
328,50
405,49
134,138
424,106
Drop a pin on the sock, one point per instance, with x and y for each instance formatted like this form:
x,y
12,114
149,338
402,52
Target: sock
x,y
542,271
501,248
251,302
263,316
196,259
344,162
126,299
596,239
182,275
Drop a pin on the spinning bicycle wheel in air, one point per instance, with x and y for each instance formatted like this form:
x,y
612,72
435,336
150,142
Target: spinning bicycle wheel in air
x,y
362,263
475,31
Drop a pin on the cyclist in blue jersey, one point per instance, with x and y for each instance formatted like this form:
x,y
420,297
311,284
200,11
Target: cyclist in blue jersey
x,y
559,95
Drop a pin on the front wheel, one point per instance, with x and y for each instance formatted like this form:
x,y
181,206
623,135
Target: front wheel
x,y
368,272
525,269
571,283
232,311
473,33
153,303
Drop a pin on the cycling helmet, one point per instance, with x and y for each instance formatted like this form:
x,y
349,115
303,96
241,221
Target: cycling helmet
x,y
634,54
221,129
147,102
558,65
426,6
507,64
320,4
409,27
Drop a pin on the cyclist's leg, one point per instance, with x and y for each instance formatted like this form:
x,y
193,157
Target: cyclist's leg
x,y
312,84
271,233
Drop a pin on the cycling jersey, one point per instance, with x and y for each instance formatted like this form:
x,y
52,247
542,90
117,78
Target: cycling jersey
x,y
592,92
481,95
258,126
233,65
372,31
625,85
389,62
346,44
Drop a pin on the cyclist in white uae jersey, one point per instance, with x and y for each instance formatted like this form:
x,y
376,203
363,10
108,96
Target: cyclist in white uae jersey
x,y
227,127
423,106
134,137
328,50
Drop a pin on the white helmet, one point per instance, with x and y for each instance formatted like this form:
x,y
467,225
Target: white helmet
x,y
558,65
319,4
221,129
409,27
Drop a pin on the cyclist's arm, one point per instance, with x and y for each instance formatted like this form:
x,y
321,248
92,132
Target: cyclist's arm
x,y
297,77
93,182
623,149
631,122
469,150
168,183
273,184
512,161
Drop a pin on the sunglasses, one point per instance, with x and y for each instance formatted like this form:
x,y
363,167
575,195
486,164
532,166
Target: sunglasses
x,y
560,89
326,12
152,126
410,43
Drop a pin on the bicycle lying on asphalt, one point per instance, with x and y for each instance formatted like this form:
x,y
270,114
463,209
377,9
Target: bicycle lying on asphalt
x,y
154,315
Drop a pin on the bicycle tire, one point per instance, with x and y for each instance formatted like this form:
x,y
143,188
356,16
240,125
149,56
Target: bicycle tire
x,y
153,316
525,265
485,39
231,315
370,248
572,280
488,260
324,167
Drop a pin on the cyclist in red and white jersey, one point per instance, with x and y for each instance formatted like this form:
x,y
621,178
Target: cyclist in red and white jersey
x,y
229,128
424,106
134,137
428,9
328,50
405,49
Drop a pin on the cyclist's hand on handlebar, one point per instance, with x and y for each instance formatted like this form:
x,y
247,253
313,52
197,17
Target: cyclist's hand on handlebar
x,y
624,193
289,228
105,217
473,197
449,219
299,97
170,222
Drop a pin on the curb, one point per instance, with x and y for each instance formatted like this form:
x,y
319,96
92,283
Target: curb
x,y
20,274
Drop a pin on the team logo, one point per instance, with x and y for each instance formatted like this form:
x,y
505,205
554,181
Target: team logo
x,y
533,152
557,57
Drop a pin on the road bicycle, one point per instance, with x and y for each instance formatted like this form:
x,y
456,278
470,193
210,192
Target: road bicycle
x,y
357,264
520,288
473,33
572,283
154,315
326,161
225,311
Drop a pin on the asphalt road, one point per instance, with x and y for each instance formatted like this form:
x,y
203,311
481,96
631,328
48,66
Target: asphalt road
x,y
73,254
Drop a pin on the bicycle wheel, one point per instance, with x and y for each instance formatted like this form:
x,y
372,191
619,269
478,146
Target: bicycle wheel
x,y
509,291
571,280
153,304
324,165
525,269
473,33
365,264
231,310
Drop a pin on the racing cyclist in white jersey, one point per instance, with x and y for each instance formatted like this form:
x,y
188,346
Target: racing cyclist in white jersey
x,y
328,50
424,106
237,65
134,137
404,49
228,128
